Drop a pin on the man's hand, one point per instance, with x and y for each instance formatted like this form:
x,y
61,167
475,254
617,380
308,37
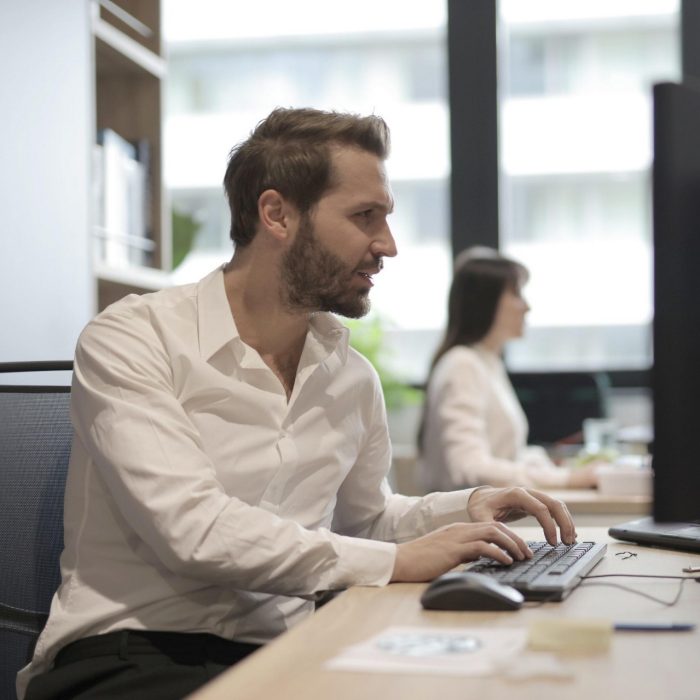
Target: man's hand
x,y
507,504
431,555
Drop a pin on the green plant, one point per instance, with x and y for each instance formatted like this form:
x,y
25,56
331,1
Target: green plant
x,y
185,230
367,337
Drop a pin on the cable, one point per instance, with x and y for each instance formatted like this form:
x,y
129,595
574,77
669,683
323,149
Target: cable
x,y
683,579
694,578
669,604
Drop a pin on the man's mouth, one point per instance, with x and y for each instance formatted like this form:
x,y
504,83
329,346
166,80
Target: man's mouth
x,y
368,272
367,276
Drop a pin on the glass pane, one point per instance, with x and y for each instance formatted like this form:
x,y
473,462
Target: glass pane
x,y
230,64
575,132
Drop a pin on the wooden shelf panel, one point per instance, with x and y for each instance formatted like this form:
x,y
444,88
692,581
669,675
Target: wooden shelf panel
x,y
124,15
145,279
117,53
115,283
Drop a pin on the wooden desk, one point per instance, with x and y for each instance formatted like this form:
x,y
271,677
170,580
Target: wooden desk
x,y
639,665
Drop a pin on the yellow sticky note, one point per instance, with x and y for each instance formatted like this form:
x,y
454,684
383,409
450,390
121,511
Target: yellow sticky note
x,y
570,635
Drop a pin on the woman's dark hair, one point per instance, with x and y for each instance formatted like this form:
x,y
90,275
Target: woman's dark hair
x,y
290,151
480,277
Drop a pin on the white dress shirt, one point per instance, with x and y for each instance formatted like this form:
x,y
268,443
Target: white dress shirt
x,y
199,499
475,430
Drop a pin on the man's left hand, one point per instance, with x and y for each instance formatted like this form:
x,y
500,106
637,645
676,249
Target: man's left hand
x,y
508,504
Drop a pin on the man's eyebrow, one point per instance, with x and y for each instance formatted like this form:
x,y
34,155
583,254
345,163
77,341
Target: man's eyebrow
x,y
376,204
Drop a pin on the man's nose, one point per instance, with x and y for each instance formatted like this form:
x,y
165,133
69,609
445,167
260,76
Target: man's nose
x,y
384,244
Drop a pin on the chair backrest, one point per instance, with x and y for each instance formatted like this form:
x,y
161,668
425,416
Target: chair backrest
x,y
35,441
556,403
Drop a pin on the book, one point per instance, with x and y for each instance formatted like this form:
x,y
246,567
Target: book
x,y
122,200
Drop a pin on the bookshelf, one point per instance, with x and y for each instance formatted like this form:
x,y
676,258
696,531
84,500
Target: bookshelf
x,y
129,72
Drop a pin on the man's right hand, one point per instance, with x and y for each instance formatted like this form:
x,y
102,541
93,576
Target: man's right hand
x,y
433,554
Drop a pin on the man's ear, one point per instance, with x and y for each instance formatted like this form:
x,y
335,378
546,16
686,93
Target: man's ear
x,y
276,214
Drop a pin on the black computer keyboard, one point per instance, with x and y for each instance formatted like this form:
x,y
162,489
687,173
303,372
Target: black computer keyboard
x,y
551,574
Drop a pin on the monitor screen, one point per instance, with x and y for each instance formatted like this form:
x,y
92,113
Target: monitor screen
x,y
676,325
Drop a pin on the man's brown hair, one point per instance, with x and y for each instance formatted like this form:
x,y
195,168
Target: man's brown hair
x,y
290,151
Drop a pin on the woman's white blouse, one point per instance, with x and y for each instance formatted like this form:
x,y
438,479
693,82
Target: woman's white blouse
x,y
475,430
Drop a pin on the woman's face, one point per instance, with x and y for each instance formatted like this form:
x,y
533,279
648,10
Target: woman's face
x,y
509,321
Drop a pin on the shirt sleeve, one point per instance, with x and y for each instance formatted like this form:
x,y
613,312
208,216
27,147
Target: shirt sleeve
x,y
460,413
157,474
366,505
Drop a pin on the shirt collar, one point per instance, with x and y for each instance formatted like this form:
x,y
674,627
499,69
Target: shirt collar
x,y
330,335
217,326
214,317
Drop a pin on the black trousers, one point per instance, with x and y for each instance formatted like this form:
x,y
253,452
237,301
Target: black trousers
x,y
136,665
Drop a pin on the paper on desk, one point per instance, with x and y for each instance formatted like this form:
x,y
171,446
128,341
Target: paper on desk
x,y
462,651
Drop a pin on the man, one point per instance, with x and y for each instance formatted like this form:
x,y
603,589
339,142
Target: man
x,y
231,450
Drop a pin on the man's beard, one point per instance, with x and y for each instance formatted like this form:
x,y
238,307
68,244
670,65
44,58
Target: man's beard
x,y
317,280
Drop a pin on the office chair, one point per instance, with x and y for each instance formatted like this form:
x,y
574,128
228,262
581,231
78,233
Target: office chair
x,y
35,441
556,403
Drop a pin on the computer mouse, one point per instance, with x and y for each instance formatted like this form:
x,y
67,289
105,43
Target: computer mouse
x,y
469,590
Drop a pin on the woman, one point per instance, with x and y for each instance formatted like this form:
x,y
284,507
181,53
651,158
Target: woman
x,y
474,430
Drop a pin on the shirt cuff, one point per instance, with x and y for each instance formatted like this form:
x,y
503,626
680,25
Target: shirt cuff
x,y
363,562
449,507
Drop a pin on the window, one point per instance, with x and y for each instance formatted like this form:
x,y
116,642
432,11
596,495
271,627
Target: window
x,y
575,153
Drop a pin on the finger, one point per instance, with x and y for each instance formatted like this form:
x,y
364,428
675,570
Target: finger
x,y
524,499
474,550
505,538
493,533
561,515
550,513
510,515
509,502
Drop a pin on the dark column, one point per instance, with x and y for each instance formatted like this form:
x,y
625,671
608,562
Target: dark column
x,y
690,40
471,39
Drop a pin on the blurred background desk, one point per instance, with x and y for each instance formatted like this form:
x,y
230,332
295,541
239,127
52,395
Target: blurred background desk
x,y
644,666
591,508
588,506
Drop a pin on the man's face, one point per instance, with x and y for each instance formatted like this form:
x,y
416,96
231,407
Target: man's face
x,y
338,248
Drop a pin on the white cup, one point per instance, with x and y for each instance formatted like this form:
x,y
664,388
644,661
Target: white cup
x,y
599,434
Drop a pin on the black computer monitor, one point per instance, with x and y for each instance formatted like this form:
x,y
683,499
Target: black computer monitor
x,y
676,325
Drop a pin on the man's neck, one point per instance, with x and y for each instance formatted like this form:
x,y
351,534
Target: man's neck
x,y
263,323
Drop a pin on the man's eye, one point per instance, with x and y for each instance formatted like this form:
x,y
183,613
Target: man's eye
x,y
365,214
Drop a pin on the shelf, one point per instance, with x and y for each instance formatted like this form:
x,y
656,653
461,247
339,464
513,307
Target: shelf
x,y
115,283
146,279
129,72
118,53
137,242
